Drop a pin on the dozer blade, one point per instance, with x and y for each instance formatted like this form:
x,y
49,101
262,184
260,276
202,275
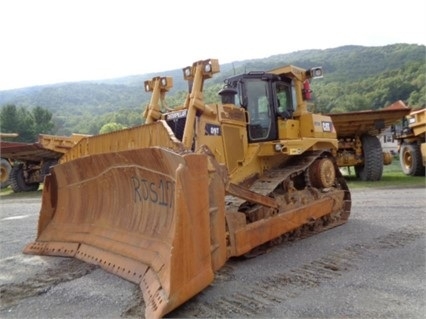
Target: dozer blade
x,y
140,214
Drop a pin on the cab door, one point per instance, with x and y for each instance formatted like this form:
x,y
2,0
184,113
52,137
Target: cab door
x,y
262,125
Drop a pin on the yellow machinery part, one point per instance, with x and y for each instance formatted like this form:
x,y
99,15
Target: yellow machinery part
x,y
144,215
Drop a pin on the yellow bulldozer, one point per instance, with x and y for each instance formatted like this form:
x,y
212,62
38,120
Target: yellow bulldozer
x,y
167,203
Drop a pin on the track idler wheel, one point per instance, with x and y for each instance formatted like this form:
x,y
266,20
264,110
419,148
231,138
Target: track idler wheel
x,y
322,173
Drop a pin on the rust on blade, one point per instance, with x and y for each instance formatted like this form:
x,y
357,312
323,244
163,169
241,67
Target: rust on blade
x,y
139,214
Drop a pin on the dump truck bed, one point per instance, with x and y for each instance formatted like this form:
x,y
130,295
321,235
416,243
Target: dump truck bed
x,y
47,147
26,151
370,122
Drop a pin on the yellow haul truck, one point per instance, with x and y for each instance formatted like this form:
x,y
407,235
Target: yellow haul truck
x,y
412,144
24,165
167,203
359,145
5,164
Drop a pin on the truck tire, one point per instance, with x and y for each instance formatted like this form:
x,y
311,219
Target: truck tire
x,y
5,169
410,158
17,180
372,168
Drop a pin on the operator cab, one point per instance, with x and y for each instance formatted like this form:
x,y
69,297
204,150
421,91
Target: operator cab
x,y
266,97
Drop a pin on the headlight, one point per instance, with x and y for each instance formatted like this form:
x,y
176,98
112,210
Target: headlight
x,y
278,147
147,86
187,72
207,68
316,72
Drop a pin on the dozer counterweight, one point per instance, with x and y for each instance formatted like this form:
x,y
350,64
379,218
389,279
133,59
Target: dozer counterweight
x,y
166,204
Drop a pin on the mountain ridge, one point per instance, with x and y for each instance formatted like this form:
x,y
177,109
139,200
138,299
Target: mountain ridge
x,y
345,67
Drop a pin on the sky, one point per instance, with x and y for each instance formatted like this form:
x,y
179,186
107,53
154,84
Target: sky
x,y
53,41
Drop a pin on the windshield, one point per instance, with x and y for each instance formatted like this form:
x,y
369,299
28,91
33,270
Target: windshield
x,y
285,106
258,108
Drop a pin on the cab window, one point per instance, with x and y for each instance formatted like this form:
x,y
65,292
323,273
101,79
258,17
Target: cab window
x,y
259,109
284,106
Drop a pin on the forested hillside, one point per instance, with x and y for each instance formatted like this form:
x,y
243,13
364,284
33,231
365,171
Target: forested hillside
x,y
355,78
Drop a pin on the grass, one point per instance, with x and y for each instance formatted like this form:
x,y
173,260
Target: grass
x,y
392,177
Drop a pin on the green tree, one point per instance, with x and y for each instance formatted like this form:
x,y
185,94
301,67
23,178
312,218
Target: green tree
x,y
111,127
27,124
9,119
42,121
17,120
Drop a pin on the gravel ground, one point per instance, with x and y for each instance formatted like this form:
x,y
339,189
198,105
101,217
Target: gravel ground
x,y
372,267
